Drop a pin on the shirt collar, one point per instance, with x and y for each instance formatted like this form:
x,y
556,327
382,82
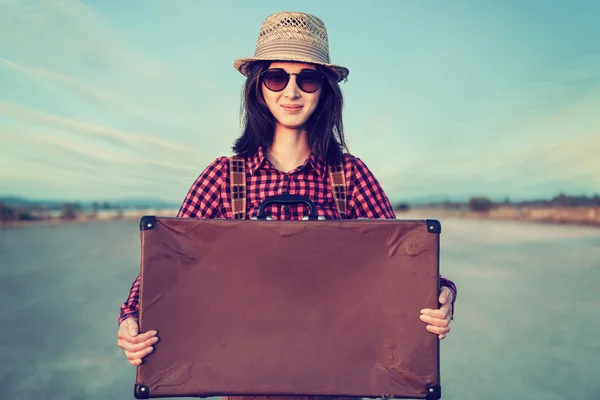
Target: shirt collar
x,y
316,163
256,161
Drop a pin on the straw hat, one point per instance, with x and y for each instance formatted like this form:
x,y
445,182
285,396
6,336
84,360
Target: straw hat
x,y
292,36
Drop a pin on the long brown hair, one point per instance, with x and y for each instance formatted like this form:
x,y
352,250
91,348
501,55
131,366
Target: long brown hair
x,y
324,127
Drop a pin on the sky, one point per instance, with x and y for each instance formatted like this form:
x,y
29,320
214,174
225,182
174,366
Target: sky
x,y
104,100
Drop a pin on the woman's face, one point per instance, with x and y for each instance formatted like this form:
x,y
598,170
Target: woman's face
x,y
291,106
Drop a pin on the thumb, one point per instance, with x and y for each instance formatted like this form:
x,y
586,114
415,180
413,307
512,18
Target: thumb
x,y
132,326
444,295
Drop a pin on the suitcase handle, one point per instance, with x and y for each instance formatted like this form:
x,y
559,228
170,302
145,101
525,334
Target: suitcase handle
x,y
287,199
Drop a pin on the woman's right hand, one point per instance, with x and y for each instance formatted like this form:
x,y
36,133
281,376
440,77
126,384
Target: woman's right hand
x,y
135,345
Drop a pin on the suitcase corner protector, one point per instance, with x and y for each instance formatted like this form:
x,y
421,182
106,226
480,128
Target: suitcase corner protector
x,y
147,222
433,226
433,392
141,391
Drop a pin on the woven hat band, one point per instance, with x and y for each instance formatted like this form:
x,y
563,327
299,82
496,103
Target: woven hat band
x,y
298,50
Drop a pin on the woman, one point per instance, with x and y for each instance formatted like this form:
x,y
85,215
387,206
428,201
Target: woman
x,y
292,142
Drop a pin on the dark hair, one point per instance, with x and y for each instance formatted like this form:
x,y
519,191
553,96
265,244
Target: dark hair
x,y
324,128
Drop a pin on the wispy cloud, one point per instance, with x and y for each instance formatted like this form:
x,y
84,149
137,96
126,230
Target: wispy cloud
x,y
70,150
519,171
143,143
70,29
94,93
76,49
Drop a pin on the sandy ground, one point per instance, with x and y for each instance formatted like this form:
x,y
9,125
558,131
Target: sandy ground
x,y
584,216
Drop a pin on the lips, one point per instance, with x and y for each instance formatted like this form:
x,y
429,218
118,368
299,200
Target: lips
x,y
291,107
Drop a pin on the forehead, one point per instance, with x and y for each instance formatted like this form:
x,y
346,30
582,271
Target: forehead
x,y
292,66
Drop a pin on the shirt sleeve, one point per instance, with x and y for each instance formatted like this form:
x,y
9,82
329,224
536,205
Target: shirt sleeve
x,y
204,197
367,198
203,200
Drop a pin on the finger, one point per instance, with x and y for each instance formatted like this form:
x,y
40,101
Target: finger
x,y
133,344
132,326
438,330
447,310
137,343
435,321
441,313
445,295
138,355
139,338
136,362
141,346
442,336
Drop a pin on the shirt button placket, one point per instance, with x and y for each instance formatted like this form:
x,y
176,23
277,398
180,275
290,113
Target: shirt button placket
x,y
285,188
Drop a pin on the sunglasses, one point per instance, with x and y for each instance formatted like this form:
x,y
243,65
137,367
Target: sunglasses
x,y
308,81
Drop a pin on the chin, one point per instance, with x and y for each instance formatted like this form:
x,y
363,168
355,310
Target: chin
x,y
292,124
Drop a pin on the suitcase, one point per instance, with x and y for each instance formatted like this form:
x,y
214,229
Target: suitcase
x,y
289,308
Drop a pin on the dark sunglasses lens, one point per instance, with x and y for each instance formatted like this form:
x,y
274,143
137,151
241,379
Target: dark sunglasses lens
x,y
309,81
275,80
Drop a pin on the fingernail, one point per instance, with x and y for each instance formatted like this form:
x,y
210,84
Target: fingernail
x,y
422,317
154,333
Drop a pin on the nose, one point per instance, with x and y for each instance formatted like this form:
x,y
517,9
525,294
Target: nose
x,y
292,90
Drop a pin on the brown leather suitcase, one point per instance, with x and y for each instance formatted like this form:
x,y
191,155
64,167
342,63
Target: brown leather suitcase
x,y
289,308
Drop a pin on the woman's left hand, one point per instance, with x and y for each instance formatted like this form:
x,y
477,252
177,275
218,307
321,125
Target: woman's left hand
x,y
439,320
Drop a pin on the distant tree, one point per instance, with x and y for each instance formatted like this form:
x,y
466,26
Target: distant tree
x,y
69,211
7,213
25,216
402,207
94,212
562,200
480,204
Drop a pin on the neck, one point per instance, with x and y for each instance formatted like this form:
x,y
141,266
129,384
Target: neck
x,y
289,149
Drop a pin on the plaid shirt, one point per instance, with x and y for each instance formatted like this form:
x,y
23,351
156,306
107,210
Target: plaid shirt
x,y
210,197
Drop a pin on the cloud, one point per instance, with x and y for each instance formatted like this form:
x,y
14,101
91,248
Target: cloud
x,y
66,29
71,151
74,47
146,144
538,169
94,93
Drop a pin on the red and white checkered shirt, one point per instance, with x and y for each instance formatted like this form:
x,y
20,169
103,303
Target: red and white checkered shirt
x,y
210,197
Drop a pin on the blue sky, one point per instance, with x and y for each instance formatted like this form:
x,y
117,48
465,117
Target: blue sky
x,y
110,99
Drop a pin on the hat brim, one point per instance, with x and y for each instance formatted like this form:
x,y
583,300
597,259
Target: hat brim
x,y
241,65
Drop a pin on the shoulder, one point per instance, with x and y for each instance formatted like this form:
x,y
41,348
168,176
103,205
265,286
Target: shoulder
x,y
355,165
216,169
359,172
213,174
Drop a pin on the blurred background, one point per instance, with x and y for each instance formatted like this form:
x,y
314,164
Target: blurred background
x,y
484,115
